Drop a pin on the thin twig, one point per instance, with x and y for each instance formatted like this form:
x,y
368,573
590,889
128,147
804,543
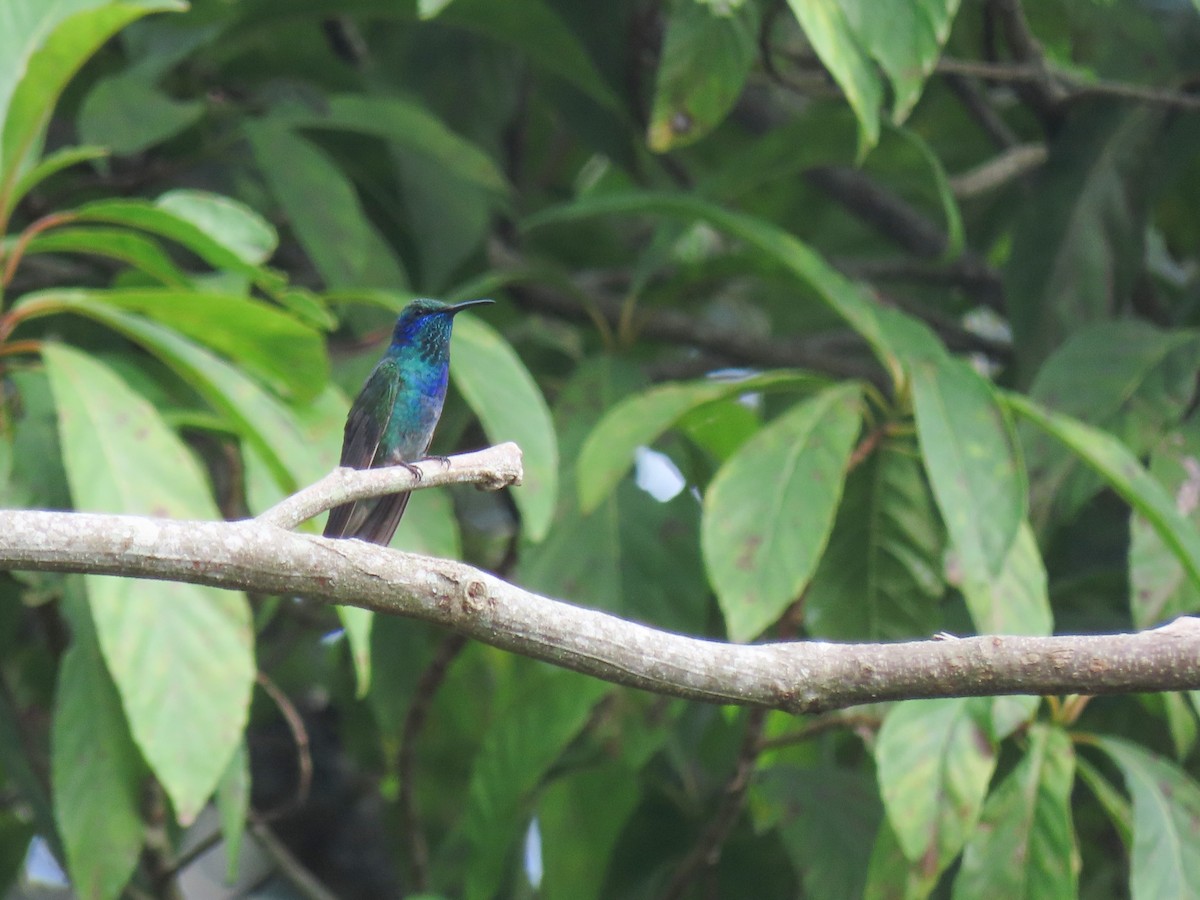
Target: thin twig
x,y
33,230
819,726
1013,163
414,722
493,468
189,856
1073,88
304,766
13,348
291,868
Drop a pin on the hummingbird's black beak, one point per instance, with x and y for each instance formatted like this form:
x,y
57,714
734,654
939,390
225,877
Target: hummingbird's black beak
x,y
466,304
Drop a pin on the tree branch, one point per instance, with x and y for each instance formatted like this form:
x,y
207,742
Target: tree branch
x,y
806,677
1076,89
1016,161
494,468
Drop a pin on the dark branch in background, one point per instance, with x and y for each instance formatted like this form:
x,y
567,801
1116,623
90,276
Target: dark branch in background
x,y
892,217
907,227
305,882
975,101
799,677
1044,95
862,723
839,354
1018,74
304,766
673,327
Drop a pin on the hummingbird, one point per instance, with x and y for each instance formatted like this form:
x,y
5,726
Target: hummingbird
x,y
392,420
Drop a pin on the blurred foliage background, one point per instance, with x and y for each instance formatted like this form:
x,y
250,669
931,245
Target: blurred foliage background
x,y
818,319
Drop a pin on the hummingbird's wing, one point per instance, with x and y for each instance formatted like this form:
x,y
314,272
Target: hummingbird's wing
x,y
375,519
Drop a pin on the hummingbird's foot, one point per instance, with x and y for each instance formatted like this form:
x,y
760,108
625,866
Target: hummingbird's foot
x,y
416,473
444,460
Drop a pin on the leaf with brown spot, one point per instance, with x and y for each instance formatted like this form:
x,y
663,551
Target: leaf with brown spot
x,y
168,645
769,510
1025,844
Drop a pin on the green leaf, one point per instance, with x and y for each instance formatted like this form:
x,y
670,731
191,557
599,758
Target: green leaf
x,y
1118,809
972,462
269,344
141,252
291,453
1114,462
51,164
428,528
769,510
37,477
1165,859
826,817
168,645
1014,600
938,184
233,806
20,775
1126,377
891,875
592,806
706,56
906,38
127,113
96,772
1077,245
430,9
498,387
1159,587
881,576
934,760
449,184
147,216
357,624
633,555
832,37
1011,713
308,307
323,210
229,222
721,427
517,752
1180,719
1024,847
16,835
821,134
42,45
537,30
448,218
639,420
409,125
